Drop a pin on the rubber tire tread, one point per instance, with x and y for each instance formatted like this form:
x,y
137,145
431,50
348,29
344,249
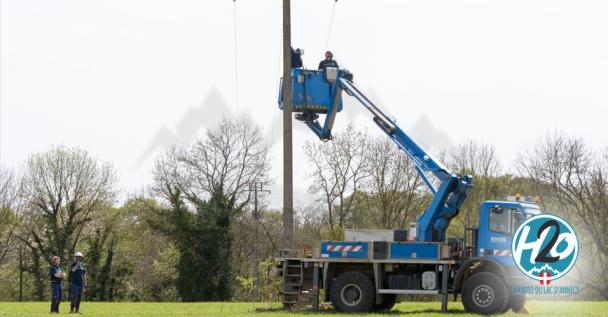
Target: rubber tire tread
x,y
368,290
499,288
388,302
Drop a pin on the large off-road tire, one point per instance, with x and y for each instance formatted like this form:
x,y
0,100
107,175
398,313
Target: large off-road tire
x,y
485,293
353,292
388,302
516,302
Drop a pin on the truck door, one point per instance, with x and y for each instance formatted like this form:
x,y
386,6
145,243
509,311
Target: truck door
x,y
496,227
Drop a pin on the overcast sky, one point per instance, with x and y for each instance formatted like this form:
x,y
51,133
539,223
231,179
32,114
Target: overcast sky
x,y
126,79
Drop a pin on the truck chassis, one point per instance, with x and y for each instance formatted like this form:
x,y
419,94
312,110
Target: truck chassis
x,y
303,278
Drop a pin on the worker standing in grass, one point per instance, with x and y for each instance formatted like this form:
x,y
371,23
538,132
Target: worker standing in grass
x,y
328,61
78,282
56,274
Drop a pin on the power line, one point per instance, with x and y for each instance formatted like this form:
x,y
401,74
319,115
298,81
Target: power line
x,y
236,63
331,22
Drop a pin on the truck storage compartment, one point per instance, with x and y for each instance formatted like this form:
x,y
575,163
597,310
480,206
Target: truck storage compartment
x,y
400,235
415,250
404,281
380,250
368,235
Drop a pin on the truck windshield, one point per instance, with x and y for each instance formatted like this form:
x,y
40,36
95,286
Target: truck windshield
x,y
528,213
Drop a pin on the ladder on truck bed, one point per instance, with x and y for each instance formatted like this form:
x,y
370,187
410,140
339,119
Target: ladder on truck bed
x,y
293,281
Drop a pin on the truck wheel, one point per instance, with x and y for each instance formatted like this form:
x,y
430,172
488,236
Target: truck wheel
x,y
352,292
388,302
516,302
484,293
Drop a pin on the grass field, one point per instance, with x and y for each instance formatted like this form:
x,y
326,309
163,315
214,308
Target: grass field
x,y
536,308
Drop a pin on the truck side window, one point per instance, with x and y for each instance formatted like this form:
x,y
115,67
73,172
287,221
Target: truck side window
x,y
500,219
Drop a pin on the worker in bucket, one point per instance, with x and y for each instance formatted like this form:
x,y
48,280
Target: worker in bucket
x,y
296,57
328,61
57,276
78,282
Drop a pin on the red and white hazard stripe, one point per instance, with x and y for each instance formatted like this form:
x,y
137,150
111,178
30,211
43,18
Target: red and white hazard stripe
x,y
343,248
502,252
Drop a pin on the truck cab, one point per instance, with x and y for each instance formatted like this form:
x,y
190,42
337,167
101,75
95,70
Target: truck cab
x,y
487,272
498,221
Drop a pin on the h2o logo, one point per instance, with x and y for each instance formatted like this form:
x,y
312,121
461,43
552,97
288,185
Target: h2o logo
x,y
545,247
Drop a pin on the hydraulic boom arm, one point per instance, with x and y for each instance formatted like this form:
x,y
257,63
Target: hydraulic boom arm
x,y
452,189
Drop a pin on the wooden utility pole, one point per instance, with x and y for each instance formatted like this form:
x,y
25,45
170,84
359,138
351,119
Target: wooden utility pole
x,y
287,133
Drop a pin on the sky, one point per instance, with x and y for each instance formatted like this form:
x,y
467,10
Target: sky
x,y
129,79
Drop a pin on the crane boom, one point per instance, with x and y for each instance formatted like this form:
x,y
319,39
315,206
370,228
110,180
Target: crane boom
x,y
452,188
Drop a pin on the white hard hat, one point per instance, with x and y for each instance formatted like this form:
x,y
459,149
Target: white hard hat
x,y
79,254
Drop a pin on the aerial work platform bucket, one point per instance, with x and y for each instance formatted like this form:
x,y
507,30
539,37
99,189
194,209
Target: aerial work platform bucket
x,y
313,91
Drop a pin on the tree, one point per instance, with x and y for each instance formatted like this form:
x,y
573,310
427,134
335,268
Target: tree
x,y
337,170
256,238
8,207
108,267
573,179
257,280
64,188
480,161
311,225
206,185
393,189
152,255
164,272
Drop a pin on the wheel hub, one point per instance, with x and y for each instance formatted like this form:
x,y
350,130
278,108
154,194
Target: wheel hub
x,y
351,294
483,296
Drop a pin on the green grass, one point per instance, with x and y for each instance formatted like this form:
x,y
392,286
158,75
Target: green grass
x,y
536,308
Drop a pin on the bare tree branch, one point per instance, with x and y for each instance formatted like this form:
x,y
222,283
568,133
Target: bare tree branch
x,y
226,160
9,208
574,176
394,190
337,170
62,189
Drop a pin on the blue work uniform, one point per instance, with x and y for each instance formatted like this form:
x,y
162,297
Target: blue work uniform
x,y
56,288
296,59
327,63
77,284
